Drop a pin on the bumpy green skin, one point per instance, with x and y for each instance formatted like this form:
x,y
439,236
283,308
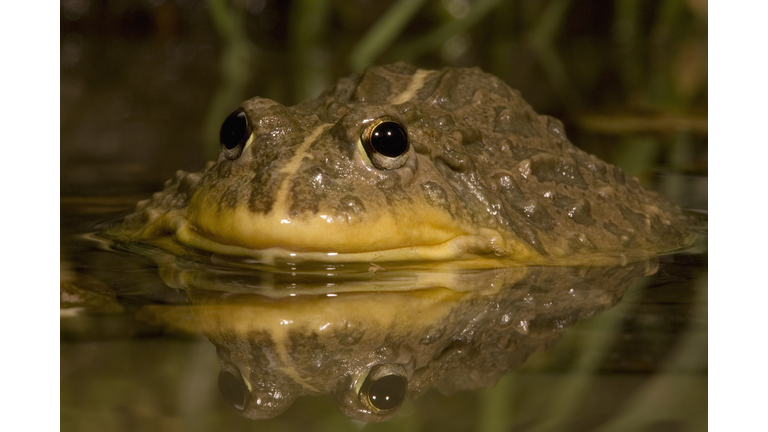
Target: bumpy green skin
x,y
482,165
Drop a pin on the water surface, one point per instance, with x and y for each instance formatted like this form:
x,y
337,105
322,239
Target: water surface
x,y
145,337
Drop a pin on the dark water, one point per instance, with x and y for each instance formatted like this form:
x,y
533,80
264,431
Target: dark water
x,y
560,349
144,87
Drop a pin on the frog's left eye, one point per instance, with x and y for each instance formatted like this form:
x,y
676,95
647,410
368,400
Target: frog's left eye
x,y
385,142
234,134
384,388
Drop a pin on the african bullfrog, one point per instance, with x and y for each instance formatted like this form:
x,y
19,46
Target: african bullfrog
x,y
403,164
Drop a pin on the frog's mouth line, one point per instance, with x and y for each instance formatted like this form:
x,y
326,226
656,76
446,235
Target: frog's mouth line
x,y
482,250
465,247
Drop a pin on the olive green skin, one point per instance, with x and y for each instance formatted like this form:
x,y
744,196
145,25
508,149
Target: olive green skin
x,y
484,181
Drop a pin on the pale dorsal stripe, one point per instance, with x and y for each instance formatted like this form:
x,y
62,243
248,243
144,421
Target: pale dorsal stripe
x,y
417,81
293,165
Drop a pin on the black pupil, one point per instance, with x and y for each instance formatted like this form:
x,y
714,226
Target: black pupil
x,y
233,390
234,130
387,392
389,139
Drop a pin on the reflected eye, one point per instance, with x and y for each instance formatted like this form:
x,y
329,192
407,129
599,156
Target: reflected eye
x,y
387,392
384,388
233,390
234,134
385,142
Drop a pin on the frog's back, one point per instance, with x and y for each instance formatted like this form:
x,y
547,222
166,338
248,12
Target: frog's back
x,y
515,170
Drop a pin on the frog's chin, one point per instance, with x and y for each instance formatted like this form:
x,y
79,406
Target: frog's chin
x,y
483,249
471,249
419,234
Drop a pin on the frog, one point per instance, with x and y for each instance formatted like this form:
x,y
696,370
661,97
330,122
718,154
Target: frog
x,y
402,164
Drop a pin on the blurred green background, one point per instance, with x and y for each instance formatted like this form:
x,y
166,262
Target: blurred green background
x,y
146,84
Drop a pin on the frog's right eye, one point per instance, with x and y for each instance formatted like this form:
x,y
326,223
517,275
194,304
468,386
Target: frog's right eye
x,y
233,389
385,143
234,134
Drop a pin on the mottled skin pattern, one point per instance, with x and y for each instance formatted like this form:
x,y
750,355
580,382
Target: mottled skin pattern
x,y
486,177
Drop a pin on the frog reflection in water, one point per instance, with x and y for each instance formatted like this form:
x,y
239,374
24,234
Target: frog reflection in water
x,y
394,165
386,340
405,164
